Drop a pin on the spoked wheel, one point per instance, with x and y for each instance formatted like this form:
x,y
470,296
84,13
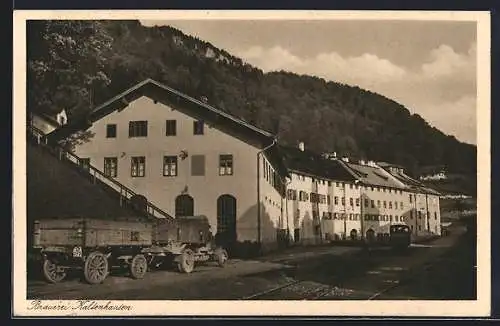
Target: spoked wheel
x,y
221,256
138,266
52,272
96,268
186,262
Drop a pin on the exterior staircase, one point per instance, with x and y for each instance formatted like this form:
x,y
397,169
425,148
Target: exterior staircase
x,y
127,197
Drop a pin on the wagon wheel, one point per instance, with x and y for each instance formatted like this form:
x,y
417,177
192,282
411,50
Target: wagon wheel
x,y
96,268
52,272
221,256
186,262
138,266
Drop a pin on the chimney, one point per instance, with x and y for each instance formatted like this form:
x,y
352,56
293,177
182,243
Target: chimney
x,y
301,146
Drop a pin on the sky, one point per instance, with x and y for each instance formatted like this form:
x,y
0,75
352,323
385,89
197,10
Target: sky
x,y
428,66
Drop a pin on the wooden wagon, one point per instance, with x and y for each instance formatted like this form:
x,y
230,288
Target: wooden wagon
x,y
135,244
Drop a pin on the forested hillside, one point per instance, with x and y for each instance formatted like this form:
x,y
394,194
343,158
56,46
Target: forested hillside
x,y
79,64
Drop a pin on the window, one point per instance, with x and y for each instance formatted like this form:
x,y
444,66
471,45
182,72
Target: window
x,y
350,217
226,164
350,185
138,129
390,218
419,215
138,166
367,217
411,215
198,127
396,205
111,131
197,165
84,163
435,215
366,202
357,201
328,199
329,183
351,202
390,204
292,194
134,236
171,128
170,166
401,205
337,184
378,203
396,218
322,199
110,166
343,201
410,198
373,203
420,228
336,200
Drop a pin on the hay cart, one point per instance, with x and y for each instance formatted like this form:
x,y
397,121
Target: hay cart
x,y
185,241
97,246
92,245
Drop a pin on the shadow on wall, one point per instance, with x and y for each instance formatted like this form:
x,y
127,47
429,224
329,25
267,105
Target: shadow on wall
x,y
247,245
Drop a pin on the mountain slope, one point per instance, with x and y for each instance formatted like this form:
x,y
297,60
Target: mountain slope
x,y
327,116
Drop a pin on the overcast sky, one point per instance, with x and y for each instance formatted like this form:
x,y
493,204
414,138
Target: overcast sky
x,y
428,66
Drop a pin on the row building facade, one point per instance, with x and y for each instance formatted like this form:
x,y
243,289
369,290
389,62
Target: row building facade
x,y
189,158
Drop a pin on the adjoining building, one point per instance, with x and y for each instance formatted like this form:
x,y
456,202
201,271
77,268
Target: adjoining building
x,y
316,194
424,217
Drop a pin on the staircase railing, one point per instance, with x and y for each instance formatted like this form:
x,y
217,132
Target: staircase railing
x,y
125,193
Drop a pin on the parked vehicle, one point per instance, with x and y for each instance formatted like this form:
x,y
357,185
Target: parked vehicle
x,y
96,245
400,236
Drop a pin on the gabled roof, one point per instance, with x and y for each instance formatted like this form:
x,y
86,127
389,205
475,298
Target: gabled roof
x,y
373,176
47,118
169,96
414,184
313,164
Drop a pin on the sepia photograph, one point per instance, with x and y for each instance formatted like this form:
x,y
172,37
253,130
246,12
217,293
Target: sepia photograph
x,y
211,161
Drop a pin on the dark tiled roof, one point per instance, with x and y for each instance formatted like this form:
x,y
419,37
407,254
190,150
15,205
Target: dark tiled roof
x,y
374,176
313,164
173,98
414,184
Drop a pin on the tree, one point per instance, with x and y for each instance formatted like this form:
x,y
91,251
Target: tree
x,y
66,62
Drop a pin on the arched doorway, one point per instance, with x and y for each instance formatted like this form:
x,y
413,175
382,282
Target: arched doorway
x,y
184,205
354,234
226,221
370,236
